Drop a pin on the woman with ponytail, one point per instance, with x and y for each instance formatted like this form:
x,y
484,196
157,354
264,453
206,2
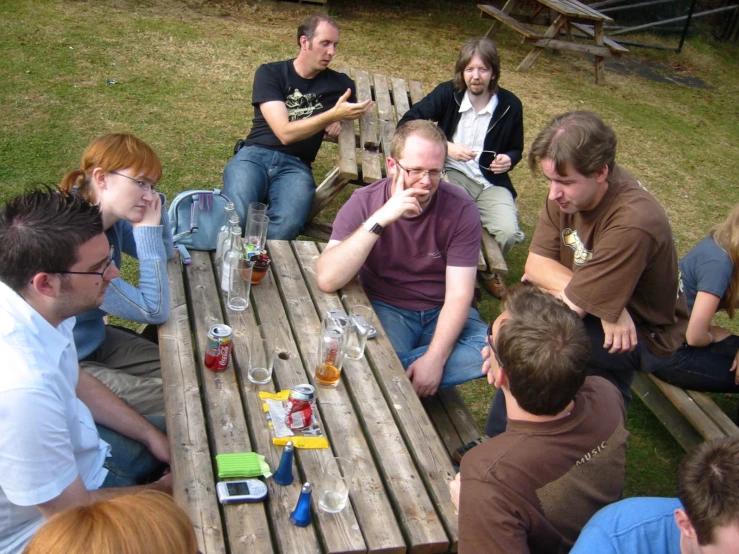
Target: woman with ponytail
x,y
119,172
710,277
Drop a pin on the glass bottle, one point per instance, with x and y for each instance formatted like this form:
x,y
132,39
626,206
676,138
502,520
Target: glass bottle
x,y
235,250
224,231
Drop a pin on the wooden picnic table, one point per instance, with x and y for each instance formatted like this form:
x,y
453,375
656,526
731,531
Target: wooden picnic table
x,y
566,14
399,499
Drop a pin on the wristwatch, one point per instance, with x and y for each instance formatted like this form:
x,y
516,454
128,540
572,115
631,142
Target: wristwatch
x,y
372,226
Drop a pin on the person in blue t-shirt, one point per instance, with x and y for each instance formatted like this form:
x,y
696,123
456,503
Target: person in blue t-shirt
x,y
119,173
703,520
710,276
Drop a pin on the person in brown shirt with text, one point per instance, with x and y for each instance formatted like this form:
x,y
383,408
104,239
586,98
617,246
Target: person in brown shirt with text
x,y
563,455
604,245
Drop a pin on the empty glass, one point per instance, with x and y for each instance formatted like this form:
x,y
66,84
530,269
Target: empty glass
x,y
256,230
239,283
261,356
336,479
361,317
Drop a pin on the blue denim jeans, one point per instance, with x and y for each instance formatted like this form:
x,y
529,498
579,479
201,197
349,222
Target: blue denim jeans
x,y
411,332
130,462
281,181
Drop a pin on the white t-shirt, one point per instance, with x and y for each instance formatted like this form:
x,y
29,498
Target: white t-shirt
x,y
47,435
471,131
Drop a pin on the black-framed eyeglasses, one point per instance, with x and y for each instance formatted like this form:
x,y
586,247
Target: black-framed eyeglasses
x,y
143,185
491,343
488,156
100,273
434,174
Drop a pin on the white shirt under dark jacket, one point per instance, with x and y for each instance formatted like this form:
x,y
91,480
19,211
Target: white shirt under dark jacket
x,y
471,131
47,435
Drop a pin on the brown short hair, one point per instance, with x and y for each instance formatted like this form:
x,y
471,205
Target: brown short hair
x,y
419,127
580,138
708,486
308,25
112,152
543,348
483,47
138,524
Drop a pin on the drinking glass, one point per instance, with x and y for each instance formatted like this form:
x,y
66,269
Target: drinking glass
x,y
256,208
331,349
336,478
256,230
361,318
261,356
239,283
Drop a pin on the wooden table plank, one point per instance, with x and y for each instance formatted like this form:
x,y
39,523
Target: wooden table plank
x,y
400,97
386,115
281,500
192,470
348,169
339,532
413,507
551,32
341,423
246,524
426,448
368,129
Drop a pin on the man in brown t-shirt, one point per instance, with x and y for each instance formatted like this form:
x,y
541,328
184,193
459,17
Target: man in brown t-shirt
x,y
604,245
563,455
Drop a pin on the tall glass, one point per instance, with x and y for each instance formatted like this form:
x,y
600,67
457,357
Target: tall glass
x,y
256,208
361,317
256,230
261,355
332,349
336,480
239,283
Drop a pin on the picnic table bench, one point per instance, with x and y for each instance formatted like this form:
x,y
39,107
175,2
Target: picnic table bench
x,y
569,13
691,417
399,498
363,152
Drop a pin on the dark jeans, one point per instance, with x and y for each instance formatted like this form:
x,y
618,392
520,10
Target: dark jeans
x,y
703,369
130,462
619,369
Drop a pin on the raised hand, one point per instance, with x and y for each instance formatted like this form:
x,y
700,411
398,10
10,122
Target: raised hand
x,y
345,110
403,202
152,214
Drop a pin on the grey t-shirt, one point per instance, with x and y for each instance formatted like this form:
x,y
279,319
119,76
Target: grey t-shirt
x,y
705,268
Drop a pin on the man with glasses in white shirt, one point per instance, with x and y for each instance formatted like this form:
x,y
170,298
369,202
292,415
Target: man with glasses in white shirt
x,y
414,240
65,438
484,126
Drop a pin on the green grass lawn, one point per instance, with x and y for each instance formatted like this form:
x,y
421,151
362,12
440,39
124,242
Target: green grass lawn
x,y
183,74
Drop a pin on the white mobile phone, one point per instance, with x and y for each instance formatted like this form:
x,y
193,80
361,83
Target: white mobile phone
x,y
340,314
247,490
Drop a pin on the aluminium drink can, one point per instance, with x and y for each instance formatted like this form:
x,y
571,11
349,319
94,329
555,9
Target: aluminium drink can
x,y
218,347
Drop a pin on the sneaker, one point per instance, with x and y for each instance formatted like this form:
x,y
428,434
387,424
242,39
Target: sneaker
x,y
495,286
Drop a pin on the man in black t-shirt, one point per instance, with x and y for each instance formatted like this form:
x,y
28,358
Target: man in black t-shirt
x,y
295,103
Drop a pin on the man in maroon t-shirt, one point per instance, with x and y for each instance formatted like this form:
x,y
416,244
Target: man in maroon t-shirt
x,y
414,240
604,245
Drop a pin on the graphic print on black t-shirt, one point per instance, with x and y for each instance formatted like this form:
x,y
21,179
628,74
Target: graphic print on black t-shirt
x,y
300,106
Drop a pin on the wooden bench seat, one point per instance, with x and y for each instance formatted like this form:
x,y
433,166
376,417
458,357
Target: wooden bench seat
x,y
691,417
614,46
452,419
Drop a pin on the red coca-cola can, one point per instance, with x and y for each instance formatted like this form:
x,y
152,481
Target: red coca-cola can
x,y
299,408
218,347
